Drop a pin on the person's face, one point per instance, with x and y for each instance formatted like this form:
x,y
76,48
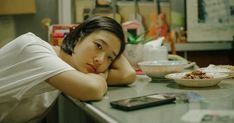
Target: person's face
x,y
96,52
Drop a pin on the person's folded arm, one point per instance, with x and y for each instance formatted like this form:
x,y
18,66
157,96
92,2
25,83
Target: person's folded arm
x,y
81,86
121,72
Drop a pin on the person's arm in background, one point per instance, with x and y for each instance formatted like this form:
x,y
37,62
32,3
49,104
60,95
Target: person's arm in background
x,y
92,86
121,72
79,85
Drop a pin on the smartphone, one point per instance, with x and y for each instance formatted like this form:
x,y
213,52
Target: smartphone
x,y
142,101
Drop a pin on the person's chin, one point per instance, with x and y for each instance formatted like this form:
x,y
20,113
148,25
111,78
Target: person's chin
x,y
86,70
83,70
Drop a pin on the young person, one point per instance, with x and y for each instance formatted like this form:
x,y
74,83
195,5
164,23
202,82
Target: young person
x,y
89,59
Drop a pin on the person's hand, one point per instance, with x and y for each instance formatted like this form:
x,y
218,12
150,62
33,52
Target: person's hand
x,y
121,72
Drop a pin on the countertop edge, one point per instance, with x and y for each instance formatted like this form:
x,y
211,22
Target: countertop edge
x,y
93,111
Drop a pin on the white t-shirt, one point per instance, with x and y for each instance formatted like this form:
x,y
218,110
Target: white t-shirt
x,y
25,64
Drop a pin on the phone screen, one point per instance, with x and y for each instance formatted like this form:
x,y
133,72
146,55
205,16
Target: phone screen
x,y
143,101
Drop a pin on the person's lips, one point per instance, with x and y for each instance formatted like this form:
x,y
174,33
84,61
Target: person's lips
x,y
91,68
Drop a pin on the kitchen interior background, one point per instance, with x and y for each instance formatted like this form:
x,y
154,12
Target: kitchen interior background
x,y
19,22
21,19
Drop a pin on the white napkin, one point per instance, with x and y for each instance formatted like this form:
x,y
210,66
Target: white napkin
x,y
154,50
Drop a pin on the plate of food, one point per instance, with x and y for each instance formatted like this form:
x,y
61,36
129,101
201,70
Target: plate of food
x,y
197,78
229,69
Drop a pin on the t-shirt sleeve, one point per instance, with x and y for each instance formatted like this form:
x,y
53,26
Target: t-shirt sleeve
x,y
34,61
41,55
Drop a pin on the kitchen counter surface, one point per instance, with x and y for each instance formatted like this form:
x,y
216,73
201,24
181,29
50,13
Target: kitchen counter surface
x,y
220,97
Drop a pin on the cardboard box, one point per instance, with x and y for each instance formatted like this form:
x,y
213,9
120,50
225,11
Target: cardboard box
x,y
9,7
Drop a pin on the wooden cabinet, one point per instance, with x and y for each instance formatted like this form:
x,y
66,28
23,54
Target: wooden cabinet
x,y
10,7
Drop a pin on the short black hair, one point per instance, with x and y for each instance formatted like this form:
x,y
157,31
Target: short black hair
x,y
89,26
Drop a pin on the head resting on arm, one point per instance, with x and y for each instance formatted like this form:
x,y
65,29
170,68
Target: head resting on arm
x,y
92,25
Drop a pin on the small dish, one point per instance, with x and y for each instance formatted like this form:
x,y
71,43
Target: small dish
x,y
216,78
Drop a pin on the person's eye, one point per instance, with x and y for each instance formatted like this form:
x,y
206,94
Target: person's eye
x,y
99,46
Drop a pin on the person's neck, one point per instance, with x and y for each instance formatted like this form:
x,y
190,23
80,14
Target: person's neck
x,y
56,49
66,57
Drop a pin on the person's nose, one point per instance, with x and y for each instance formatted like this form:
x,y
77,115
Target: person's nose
x,y
99,59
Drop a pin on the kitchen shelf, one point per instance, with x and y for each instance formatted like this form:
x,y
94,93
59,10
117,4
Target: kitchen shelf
x,y
202,46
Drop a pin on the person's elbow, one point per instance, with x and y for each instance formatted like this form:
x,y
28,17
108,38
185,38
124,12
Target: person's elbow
x,y
95,92
94,97
129,77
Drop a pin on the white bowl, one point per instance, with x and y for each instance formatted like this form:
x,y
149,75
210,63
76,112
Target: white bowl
x,y
216,78
158,69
